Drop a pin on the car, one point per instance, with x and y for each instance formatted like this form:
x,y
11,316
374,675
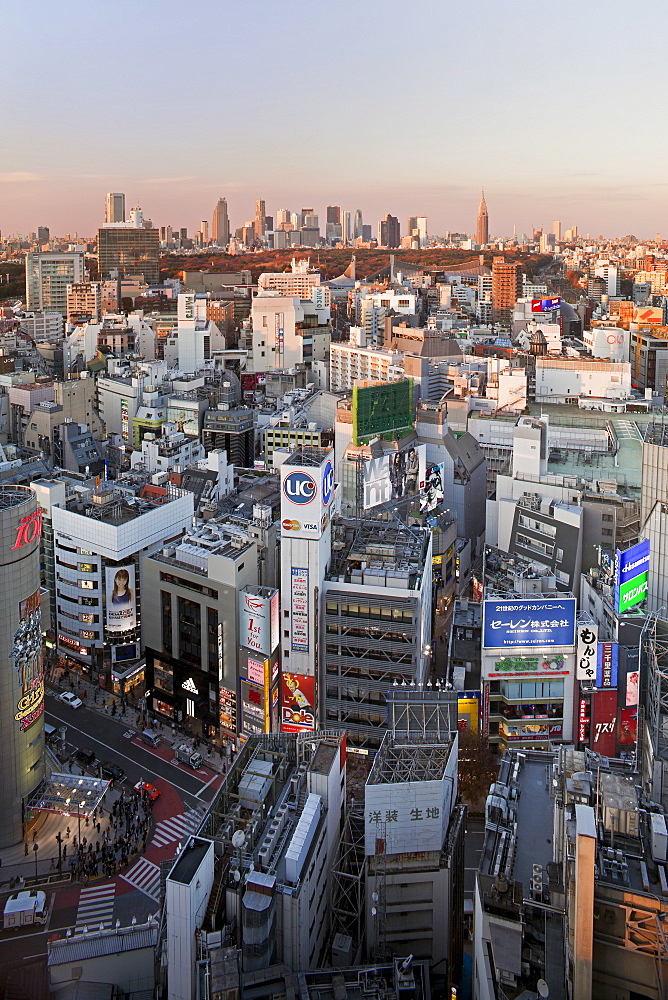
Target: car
x,y
110,771
70,699
84,755
148,789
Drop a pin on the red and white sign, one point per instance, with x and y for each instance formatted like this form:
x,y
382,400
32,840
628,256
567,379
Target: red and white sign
x,y
29,529
603,732
258,618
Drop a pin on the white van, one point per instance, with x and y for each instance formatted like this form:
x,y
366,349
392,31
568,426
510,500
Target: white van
x,y
25,908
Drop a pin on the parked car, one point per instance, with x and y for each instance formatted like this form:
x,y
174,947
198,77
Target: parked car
x,y
70,699
84,756
111,771
148,789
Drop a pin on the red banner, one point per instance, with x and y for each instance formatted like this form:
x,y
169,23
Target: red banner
x,y
603,731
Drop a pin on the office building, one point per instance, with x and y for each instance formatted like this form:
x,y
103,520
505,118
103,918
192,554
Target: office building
x,y
556,230
231,429
84,302
129,250
414,845
300,280
260,216
114,208
376,623
287,796
289,331
100,536
389,232
48,275
567,902
358,225
190,624
220,228
506,288
482,222
22,674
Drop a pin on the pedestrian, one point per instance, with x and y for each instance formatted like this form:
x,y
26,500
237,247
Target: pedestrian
x,y
65,852
98,827
26,848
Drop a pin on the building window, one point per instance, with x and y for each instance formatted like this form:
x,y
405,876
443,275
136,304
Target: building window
x,y
166,602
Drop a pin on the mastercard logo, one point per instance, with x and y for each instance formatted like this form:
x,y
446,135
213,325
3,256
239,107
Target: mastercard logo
x,y
289,525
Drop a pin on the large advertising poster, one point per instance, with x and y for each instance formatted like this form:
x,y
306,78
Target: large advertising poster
x,y
433,490
631,576
185,417
298,708
529,622
26,653
396,476
545,305
468,710
255,622
121,598
299,609
585,661
607,665
306,493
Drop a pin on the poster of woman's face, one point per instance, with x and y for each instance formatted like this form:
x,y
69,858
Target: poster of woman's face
x,y
121,598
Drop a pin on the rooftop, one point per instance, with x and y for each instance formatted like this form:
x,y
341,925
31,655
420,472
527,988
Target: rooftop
x,y
189,861
385,553
401,759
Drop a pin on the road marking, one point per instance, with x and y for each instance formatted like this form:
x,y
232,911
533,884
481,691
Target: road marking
x,y
129,734
175,828
118,753
96,906
204,787
145,876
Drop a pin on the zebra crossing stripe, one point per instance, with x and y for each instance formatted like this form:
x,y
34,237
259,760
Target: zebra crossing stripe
x,y
175,828
96,906
145,876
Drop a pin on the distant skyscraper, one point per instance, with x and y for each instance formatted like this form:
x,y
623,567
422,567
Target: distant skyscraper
x,y
260,213
422,229
42,234
345,227
506,287
482,228
129,249
411,225
389,232
114,209
204,229
556,230
333,214
357,225
220,229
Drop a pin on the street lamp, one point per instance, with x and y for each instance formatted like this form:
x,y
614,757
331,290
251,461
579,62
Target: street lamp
x,y
35,848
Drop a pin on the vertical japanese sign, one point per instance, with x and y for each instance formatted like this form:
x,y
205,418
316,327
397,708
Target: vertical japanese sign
x,y
299,610
587,645
607,663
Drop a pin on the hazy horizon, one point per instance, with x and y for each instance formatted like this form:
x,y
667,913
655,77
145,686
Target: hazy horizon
x,y
373,106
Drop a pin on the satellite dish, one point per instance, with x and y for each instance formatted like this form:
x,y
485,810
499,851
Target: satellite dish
x,y
236,875
374,896
374,911
238,839
543,989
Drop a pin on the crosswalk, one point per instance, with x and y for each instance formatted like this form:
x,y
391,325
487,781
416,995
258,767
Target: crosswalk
x,y
175,828
96,906
144,875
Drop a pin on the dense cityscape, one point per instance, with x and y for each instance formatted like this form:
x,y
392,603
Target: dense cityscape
x,y
334,620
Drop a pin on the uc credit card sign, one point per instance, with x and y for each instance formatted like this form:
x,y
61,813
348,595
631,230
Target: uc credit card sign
x,y
529,622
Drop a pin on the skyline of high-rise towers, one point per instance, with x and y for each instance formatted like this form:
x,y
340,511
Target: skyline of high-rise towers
x,y
220,225
482,224
260,217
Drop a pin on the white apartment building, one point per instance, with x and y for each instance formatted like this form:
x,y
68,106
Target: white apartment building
x,y
168,451
611,275
42,326
47,276
602,385
196,338
288,331
350,363
299,281
608,342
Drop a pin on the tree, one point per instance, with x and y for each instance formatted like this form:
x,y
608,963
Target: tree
x,y
478,769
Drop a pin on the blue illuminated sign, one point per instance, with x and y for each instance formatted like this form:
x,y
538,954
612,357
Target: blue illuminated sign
x,y
327,483
529,622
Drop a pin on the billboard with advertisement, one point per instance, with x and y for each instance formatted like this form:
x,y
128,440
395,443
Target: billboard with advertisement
x,y
545,305
121,598
585,660
26,652
380,409
528,666
533,621
306,494
253,708
648,315
628,726
186,416
603,729
631,576
395,476
433,489
297,703
299,608
255,621
468,710
274,620
607,665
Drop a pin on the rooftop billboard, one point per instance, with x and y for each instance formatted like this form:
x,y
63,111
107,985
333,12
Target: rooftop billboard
x,y
631,576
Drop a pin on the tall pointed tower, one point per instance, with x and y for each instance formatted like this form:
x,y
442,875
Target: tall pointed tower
x,y
482,227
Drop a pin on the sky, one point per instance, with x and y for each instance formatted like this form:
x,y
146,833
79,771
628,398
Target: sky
x,y
381,105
